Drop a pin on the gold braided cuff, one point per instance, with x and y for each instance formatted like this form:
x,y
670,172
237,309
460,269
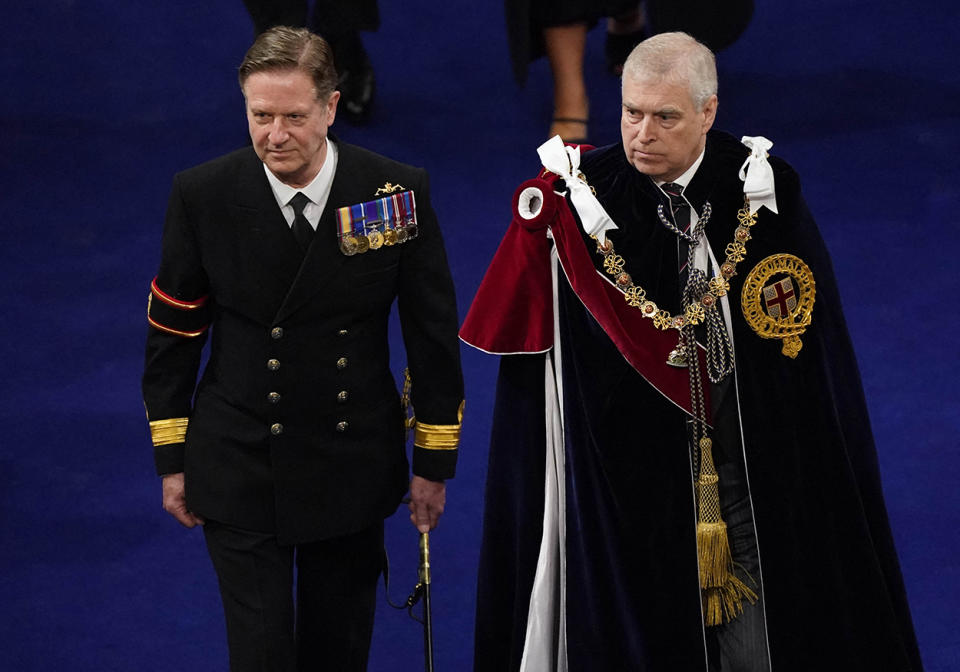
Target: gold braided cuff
x,y
438,437
166,432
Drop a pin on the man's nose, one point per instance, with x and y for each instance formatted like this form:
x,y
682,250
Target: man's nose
x,y
646,131
278,131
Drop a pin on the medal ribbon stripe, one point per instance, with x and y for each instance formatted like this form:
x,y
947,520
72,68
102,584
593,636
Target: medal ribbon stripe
x,y
409,208
395,204
383,208
344,222
409,213
358,219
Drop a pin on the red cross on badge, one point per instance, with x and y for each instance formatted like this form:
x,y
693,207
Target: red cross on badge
x,y
780,298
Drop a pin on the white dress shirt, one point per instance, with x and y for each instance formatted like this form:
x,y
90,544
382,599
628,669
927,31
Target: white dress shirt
x,y
318,191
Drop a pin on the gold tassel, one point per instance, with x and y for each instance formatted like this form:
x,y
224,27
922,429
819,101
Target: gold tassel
x,y
713,550
723,593
723,604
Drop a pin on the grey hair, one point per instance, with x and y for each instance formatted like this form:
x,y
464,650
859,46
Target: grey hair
x,y
677,57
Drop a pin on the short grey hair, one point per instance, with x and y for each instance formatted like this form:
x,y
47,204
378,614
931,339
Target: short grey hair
x,y
677,57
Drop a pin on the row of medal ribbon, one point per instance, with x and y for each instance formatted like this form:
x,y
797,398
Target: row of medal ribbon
x,y
385,221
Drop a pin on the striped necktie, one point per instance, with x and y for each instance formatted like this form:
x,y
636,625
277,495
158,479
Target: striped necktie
x,y
682,220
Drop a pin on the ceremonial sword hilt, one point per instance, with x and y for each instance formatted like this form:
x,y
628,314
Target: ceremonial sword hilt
x,y
424,570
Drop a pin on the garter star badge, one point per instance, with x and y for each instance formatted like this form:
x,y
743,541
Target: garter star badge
x,y
777,300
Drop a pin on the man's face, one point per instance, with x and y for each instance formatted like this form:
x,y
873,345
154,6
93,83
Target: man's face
x,y
288,125
663,132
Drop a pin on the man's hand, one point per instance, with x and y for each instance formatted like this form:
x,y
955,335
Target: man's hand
x,y
175,502
427,499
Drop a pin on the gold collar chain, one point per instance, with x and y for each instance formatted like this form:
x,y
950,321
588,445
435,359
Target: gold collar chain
x,y
695,311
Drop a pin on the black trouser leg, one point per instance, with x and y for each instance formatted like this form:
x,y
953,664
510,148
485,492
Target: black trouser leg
x,y
336,600
256,585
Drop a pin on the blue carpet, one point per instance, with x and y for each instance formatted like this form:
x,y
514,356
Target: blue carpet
x,y
103,102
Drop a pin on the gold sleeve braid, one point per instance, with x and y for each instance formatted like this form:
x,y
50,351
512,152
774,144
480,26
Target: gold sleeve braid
x,y
171,430
439,437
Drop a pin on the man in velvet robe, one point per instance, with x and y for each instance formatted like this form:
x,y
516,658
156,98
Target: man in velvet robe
x,y
592,555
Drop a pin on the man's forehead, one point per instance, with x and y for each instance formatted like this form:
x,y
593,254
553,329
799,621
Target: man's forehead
x,y
657,93
273,82
276,73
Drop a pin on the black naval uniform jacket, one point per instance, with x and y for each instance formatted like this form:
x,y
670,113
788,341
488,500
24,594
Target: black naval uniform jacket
x,y
296,425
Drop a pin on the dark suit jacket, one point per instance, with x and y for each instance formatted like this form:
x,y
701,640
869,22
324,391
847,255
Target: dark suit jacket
x,y
296,425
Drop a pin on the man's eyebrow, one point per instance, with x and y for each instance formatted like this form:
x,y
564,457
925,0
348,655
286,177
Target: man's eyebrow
x,y
669,109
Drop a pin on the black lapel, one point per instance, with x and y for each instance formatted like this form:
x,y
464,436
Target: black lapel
x,y
271,240
324,259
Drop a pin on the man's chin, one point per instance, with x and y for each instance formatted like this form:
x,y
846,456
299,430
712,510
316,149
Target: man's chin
x,y
653,169
280,167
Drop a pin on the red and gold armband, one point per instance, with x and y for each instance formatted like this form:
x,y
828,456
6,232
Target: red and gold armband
x,y
177,316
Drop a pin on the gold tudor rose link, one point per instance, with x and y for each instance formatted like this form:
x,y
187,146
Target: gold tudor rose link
x,y
694,312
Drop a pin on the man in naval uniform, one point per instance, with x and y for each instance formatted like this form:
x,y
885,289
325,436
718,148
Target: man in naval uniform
x,y
287,257
682,474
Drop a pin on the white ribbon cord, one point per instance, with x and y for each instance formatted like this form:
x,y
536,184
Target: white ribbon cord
x,y
545,640
565,162
757,174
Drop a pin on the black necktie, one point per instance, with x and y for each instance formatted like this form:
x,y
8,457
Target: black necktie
x,y
681,218
302,230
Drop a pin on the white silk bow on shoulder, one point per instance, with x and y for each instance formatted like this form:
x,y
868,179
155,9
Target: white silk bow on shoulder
x,y
757,174
565,162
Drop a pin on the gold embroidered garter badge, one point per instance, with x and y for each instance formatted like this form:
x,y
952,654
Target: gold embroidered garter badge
x,y
777,300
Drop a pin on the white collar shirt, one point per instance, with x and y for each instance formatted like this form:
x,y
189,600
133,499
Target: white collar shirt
x,y
687,176
318,191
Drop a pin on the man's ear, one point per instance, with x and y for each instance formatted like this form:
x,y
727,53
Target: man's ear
x,y
709,112
332,106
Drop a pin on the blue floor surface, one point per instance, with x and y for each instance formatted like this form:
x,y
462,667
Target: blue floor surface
x,y
103,102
